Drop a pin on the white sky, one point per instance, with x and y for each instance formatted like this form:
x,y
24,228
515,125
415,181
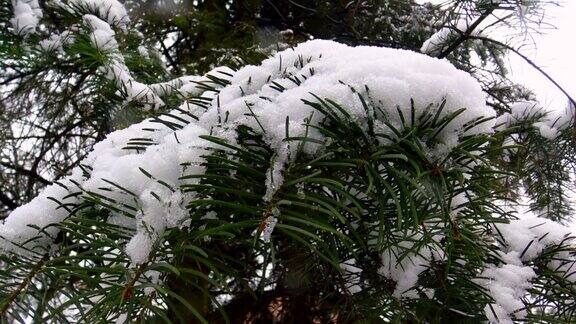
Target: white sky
x,y
555,53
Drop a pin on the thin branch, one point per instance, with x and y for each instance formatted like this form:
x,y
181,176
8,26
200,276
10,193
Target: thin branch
x,y
529,61
27,172
166,53
464,35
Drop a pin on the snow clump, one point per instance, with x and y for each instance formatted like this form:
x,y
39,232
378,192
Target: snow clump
x,y
27,15
145,184
111,11
523,240
390,79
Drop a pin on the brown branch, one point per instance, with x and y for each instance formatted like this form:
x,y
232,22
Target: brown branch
x,y
128,292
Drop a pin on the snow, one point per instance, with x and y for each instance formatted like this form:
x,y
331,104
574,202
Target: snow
x,y
274,177
458,203
133,89
143,51
56,42
546,131
524,239
264,97
352,275
111,11
393,78
507,285
536,231
103,38
403,263
548,123
139,247
269,224
527,237
123,318
153,277
100,16
27,15
442,38
43,210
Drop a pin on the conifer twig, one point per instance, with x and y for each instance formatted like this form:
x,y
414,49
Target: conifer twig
x,y
23,285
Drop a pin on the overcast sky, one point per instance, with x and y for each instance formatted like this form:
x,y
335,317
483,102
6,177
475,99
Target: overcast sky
x,y
555,52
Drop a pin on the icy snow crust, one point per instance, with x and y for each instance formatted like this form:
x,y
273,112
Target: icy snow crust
x,y
263,97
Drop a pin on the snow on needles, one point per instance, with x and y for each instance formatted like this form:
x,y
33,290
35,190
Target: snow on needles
x,y
327,69
145,184
27,15
522,241
387,77
103,38
112,11
440,40
548,123
56,42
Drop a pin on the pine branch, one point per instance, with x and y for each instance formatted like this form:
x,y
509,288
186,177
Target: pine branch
x,y
465,34
27,280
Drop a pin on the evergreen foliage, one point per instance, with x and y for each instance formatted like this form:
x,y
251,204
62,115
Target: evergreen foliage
x,y
309,237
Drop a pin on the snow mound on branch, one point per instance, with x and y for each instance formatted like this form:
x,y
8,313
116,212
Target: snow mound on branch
x,y
548,123
404,263
103,38
56,42
388,78
522,241
112,11
27,15
440,40
507,285
142,187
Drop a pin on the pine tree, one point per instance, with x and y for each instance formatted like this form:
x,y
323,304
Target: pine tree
x,y
304,181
